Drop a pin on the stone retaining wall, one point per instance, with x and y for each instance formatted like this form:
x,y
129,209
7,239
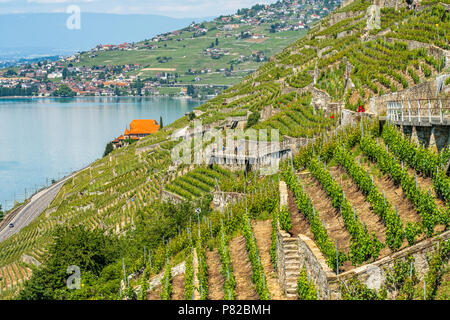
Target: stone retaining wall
x,y
171,197
221,199
373,274
308,255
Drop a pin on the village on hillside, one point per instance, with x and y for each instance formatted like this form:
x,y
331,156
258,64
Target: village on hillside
x,y
90,74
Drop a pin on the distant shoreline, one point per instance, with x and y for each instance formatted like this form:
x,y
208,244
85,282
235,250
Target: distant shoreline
x,y
84,97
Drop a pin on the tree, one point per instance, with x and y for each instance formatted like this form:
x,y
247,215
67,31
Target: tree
x,y
190,90
10,72
91,251
2,214
161,125
108,149
253,119
64,91
65,73
217,41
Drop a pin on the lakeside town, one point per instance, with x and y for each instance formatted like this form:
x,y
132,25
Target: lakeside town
x,y
72,76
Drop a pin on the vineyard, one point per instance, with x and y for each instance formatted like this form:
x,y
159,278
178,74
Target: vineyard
x,y
360,192
234,260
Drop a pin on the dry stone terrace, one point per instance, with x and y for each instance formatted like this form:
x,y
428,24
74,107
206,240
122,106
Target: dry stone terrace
x,y
300,105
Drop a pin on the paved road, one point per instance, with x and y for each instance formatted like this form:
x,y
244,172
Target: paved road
x,y
38,203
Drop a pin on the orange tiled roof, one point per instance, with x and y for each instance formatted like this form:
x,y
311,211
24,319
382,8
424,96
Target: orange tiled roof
x,y
142,127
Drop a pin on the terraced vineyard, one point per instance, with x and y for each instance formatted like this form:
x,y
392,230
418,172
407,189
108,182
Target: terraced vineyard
x,y
358,192
198,182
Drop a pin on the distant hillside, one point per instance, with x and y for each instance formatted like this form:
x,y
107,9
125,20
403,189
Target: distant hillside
x,y
219,52
46,34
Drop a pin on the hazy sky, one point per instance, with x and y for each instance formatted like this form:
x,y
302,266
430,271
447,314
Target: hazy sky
x,y
172,8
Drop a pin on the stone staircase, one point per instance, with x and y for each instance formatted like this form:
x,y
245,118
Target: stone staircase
x,y
292,266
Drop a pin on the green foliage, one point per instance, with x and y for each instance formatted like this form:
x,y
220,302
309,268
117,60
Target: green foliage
x,y
305,206
229,285
300,80
202,272
64,91
424,203
273,239
436,263
429,25
412,231
166,283
426,161
258,276
108,149
363,244
382,207
354,289
306,289
402,278
189,277
253,119
144,286
91,251
285,219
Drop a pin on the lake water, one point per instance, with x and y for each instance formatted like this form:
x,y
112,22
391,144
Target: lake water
x,y
44,139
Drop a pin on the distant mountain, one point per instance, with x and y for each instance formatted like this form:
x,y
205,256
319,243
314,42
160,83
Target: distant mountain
x,y
46,34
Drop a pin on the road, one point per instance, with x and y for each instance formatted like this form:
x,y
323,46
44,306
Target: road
x,y
38,203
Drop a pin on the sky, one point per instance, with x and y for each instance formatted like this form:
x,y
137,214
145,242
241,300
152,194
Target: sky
x,y
171,8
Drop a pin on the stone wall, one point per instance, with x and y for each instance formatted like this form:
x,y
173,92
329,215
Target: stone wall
x,y
349,117
294,144
378,105
316,267
320,99
288,259
171,197
221,199
374,274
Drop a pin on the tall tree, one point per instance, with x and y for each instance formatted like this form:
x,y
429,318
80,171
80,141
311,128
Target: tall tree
x,y
65,73
161,122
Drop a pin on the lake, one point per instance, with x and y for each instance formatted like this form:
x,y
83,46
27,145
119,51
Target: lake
x,y
44,139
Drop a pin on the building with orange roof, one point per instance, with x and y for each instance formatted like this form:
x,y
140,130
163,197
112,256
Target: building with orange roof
x,y
137,130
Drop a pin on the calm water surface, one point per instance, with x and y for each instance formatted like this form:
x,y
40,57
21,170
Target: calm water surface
x,y
44,139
